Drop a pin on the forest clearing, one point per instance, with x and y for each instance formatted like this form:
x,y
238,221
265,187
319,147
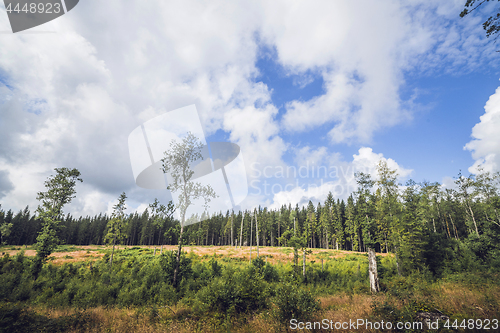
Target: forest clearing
x,y
392,260
78,291
273,255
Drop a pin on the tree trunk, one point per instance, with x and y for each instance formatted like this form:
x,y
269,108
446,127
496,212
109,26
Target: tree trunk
x,y
327,238
232,237
453,224
372,270
241,229
447,227
279,230
397,261
251,231
112,252
473,219
295,253
178,260
304,264
257,234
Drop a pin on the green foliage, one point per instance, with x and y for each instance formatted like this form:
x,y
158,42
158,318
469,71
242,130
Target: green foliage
x,y
491,25
5,230
291,301
177,163
60,191
266,270
234,292
116,227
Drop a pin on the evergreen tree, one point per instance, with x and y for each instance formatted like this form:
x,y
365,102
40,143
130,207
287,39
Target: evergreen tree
x,y
116,225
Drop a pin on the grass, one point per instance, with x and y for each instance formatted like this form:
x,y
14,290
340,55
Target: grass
x,y
451,298
459,296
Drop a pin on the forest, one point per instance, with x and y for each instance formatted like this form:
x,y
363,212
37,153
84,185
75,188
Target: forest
x,y
427,225
435,245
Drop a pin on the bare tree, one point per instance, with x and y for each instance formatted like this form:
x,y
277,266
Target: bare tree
x,y
372,270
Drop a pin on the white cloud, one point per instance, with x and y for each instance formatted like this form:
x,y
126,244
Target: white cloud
x,y
256,132
362,50
102,75
308,156
72,97
485,145
368,160
448,183
316,188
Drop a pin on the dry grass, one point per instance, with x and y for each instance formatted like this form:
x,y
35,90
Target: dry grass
x,y
471,303
455,299
273,255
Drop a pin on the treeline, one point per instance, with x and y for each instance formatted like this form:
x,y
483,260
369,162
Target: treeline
x,y
420,222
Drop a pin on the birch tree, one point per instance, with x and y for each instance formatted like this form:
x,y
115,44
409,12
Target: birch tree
x,y
177,162
60,191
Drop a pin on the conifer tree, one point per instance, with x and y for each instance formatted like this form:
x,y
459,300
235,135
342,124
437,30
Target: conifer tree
x,y
116,225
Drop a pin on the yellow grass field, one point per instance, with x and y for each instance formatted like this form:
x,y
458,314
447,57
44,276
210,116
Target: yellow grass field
x,y
273,255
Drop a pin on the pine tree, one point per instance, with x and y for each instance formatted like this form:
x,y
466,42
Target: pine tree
x,y
116,225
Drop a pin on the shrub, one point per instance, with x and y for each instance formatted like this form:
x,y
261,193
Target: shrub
x,y
292,302
235,292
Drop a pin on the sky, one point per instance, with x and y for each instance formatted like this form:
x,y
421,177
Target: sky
x,y
311,92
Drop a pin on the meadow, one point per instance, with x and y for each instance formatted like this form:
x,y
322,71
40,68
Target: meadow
x,y
221,290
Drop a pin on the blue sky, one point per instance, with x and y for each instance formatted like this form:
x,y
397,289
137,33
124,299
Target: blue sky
x,y
340,85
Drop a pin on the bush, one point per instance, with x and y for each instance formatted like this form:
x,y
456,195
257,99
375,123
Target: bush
x,y
234,292
268,272
292,302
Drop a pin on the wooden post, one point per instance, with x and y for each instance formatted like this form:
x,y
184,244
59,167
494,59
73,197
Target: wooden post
x,y
372,270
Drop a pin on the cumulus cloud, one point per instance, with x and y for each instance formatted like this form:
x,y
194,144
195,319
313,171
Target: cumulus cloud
x,y
362,49
330,173
71,98
485,143
5,183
